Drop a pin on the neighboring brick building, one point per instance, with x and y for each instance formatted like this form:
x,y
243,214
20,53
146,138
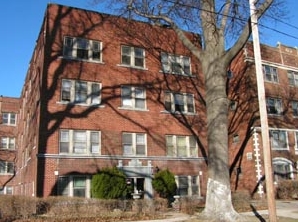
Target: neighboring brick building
x,y
280,70
106,91
9,107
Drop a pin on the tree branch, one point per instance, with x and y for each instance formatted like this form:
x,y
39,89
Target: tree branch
x,y
231,53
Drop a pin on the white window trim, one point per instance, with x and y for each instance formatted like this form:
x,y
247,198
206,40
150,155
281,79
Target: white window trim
x,y
190,185
294,76
73,93
271,74
90,50
88,144
70,185
6,168
134,144
292,102
9,119
172,94
8,142
175,151
132,61
133,99
170,59
282,161
279,112
287,140
296,143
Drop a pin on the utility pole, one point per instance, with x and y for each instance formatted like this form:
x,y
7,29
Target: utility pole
x,y
263,115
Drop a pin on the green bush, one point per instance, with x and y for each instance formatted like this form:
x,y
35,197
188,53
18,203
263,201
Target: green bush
x,y
164,183
109,183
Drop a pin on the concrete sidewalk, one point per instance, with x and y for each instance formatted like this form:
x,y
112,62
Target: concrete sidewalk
x,y
283,209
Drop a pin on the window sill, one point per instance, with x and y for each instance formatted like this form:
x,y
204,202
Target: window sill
x,y
177,74
80,104
133,67
280,149
178,113
132,109
81,60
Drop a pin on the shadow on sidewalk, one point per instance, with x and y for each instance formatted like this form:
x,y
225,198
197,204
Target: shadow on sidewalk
x,y
257,214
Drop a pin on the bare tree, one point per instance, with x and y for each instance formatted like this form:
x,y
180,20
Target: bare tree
x,y
224,26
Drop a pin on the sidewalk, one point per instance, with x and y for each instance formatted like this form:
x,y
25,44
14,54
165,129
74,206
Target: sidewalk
x,y
283,209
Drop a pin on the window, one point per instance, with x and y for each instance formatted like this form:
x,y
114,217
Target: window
x,y
295,108
74,186
293,78
6,190
7,143
187,185
134,144
80,142
179,102
133,97
181,146
132,56
80,92
6,167
9,118
274,106
283,169
82,49
279,139
270,73
183,185
296,143
175,64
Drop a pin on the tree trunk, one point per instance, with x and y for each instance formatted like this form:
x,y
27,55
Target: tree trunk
x,y
218,200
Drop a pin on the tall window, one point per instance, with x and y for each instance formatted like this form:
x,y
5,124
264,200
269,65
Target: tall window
x,y
295,108
133,97
80,142
293,78
274,106
9,118
179,102
134,144
83,49
181,146
270,73
279,140
7,143
80,92
175,64
132,56
6,167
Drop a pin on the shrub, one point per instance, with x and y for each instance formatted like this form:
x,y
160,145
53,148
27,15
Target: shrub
x,y
287,189
109,183
164,183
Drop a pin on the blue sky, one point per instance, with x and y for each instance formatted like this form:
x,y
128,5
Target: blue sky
x,y
20,24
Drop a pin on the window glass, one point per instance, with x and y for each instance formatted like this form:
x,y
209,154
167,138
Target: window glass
x,y
94,142
66,89
64,141
81,92
80,141
63,183
79,186
181,146
127,143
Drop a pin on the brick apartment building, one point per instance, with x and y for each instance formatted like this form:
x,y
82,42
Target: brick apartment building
x,y
106,91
